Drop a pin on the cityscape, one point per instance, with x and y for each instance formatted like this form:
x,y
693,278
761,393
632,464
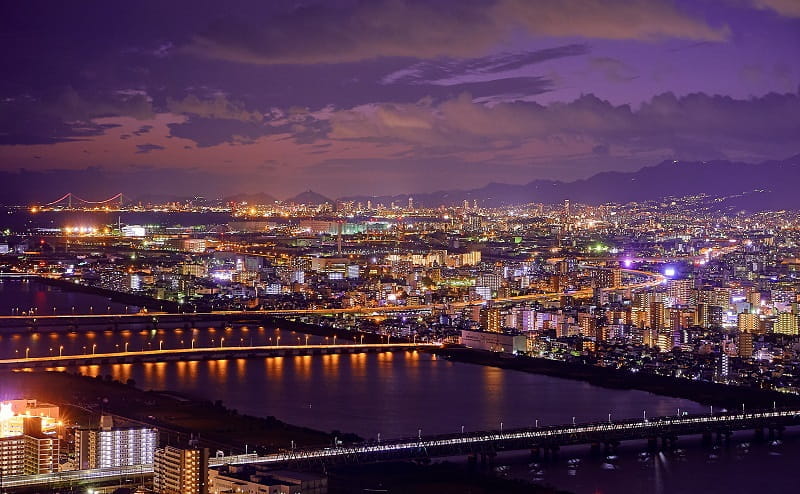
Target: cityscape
x,y
546,247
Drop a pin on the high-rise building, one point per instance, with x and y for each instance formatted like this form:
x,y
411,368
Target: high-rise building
x,y
490,319
746,345
111,446
708,315
30,453
748,322
786,323
180,471
657,319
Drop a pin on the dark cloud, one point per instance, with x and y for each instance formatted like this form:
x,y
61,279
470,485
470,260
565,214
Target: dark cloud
x,y
442,71
321,33
691,126
208,132
146,148
65,117
217,108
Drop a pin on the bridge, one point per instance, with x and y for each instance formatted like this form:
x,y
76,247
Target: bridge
x,y
206,353
70,200
35,322
487,443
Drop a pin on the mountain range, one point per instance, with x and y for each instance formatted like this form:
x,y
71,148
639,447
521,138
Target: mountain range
x,y
769,185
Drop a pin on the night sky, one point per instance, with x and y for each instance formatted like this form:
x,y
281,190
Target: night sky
x,y
379,97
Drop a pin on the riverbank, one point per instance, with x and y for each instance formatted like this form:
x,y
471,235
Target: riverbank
x,y
152,304
706,393
175,414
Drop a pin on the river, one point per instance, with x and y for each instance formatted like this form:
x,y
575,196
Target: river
x,y
398,394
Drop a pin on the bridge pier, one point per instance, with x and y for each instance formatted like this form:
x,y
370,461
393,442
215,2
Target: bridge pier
x,y
610,447
775,432
594,448
724,436
536,453
707,438
652,444
551,452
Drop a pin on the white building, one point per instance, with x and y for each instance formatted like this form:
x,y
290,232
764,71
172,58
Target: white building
x,y
114,446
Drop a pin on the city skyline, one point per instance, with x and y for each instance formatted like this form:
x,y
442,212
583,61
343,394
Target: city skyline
x,y
392,97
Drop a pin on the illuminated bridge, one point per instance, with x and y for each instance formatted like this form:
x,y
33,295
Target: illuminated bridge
x,y
548,438
205,353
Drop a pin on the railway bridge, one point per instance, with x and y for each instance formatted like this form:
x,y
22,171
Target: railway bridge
x,y
539,440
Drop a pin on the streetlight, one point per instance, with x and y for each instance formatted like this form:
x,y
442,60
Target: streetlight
x,y
94,346
192,343
306,340
221,341
126,347
277,340
160,345
60,350
27,353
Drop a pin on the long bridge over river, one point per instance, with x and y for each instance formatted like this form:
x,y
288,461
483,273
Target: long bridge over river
x,y
539,440
204,353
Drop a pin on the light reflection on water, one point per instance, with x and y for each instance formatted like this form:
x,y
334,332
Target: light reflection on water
x,y
394,394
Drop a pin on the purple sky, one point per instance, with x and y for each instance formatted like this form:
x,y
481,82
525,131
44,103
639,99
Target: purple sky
x,y
393,96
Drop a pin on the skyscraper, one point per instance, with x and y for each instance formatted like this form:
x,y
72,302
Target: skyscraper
x,y
180,471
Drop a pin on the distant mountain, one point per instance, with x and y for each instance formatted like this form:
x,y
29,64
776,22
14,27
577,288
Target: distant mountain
x,y
309,197
259,198
768,185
